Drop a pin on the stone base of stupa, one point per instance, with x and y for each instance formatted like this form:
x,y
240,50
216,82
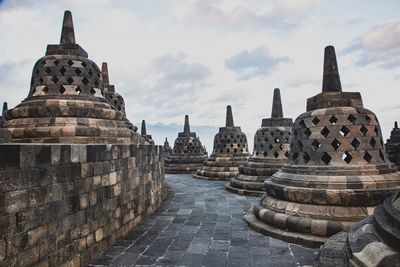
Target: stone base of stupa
x,y
310,241
242,191
220,168
371,242
177,165
301,207
251,177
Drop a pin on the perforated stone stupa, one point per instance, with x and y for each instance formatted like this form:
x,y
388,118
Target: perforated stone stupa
x,y
167,147
66,102
74,178
113,97
188,153
375,241
337,172
393,145
229,152
270,153
143,133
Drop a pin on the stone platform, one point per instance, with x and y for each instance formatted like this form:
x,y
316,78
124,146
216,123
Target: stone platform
x,y
229,152
200,224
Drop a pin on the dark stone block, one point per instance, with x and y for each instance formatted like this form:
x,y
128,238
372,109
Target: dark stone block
x,y
65,154
91,153
43,156
75,171
9,157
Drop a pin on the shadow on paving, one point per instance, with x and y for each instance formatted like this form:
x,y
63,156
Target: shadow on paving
x,y
200,224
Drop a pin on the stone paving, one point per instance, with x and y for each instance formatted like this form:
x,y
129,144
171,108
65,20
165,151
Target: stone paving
x,y
200,224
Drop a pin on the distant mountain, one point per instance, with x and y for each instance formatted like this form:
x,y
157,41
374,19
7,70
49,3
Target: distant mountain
x,y
206,133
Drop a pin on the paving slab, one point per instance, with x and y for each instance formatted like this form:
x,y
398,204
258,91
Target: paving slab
x,y
201,224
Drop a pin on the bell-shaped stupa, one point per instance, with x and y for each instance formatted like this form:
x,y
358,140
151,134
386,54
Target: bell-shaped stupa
x,y
143,133
229,152
393,145
188,152
337,172
167,147
270,153
113,97
66,102
375,241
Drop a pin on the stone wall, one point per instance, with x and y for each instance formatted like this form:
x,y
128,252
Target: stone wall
x,y
64,204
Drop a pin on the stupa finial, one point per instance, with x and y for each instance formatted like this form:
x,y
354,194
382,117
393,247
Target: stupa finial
x,y
277,111
67,32
395,125
5,107
143,129
104,74
331,78
229,117
186,127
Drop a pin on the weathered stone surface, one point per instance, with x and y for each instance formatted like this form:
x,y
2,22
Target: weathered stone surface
x,y
2,120
188,152
270,153
147,137
372,242
337,172
56,214
229,152
206,232
393,146
67,100
167,148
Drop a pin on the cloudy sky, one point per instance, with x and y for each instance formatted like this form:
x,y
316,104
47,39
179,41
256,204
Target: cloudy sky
x,y
172,57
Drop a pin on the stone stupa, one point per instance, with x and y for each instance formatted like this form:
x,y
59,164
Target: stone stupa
x,y
337,172
188,152
167,147
143,133
270,153
393,145
113,97
375,241
66,102
2,119
229,152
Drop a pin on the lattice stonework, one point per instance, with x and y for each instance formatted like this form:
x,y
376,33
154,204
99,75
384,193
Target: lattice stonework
x,y
65,75
188,146
230,144
339,139
272,143
116,100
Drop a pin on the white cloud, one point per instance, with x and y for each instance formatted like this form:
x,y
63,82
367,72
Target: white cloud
x,y
257,62
239,15
172,85
379,46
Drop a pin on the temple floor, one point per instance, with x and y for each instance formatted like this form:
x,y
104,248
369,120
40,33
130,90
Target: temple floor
x,y
200,224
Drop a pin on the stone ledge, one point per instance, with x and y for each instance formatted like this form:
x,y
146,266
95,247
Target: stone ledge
x,y
242,191
291,237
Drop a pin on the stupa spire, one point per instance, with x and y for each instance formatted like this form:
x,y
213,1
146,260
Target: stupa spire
x,y
229,117
331,78
143,131
5,107
277,111
395,123
186,127
67,32
104,74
